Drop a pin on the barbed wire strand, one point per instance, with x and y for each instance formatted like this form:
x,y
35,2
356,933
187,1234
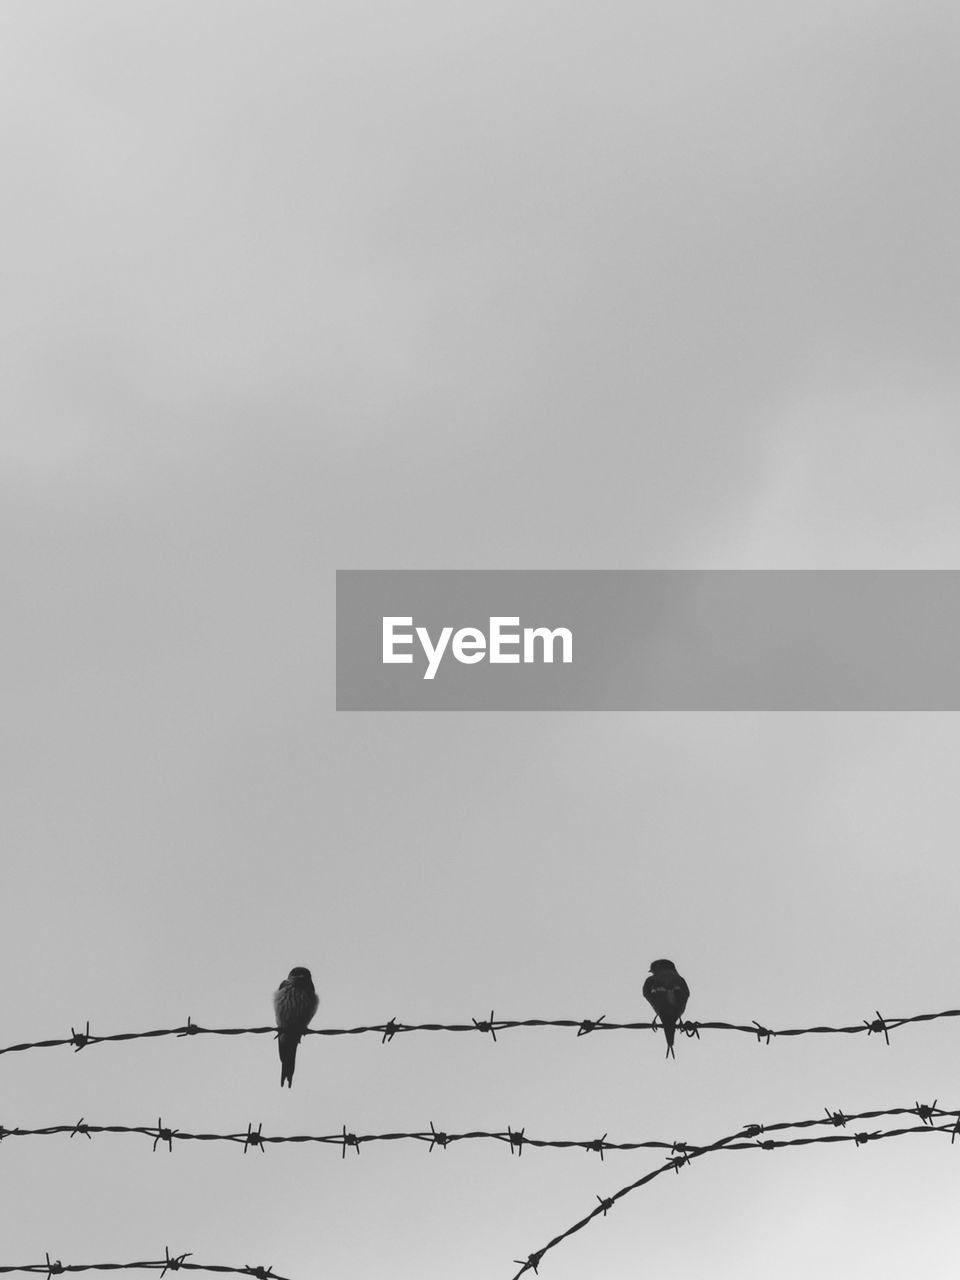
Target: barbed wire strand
x,y
879,1025
514,1139
749,1139
170,1262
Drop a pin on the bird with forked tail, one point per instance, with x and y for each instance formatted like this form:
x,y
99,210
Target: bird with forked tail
x,y
668,993
295,1002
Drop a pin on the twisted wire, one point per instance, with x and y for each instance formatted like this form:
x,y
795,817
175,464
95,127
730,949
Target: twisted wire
x,y
878,1025
514,1139
169,1262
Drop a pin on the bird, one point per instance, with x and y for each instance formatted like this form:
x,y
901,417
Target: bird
x,y
295,1002
668,993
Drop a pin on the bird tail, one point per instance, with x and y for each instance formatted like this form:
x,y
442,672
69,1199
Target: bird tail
x,y
288,1041
669,1031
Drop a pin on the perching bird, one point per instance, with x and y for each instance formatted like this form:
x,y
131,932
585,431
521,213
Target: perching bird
x,y
668,993
294,1003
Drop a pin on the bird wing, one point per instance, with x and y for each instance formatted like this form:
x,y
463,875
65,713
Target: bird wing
x,y
310,1005
683,995
279,998
294,1007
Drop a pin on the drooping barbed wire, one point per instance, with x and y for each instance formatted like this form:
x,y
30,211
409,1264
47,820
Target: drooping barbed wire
x,y
750,1138
878,1025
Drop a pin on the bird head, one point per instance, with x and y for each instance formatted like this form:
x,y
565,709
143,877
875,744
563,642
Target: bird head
x,y
299,974
659,966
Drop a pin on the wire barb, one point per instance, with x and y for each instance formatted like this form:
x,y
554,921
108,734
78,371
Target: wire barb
x,y
436,1139
598,1144
254,1138
348,1140
173,1262
516,1140
80,1127
878,1026
164,1135
531,1264
926,1112
486,1025
80,1039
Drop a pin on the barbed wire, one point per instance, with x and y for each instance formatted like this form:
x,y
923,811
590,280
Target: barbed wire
x,y
879,1025
169,1262
514,1139
749,1139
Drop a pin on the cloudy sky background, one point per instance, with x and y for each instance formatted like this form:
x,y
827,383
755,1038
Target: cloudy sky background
x,y
296,287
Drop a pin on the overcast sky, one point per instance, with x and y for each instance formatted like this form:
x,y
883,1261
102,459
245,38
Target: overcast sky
x,y
294,287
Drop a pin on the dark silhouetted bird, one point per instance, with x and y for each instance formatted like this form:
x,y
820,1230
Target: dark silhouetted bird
x,y
294,1003
668,993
